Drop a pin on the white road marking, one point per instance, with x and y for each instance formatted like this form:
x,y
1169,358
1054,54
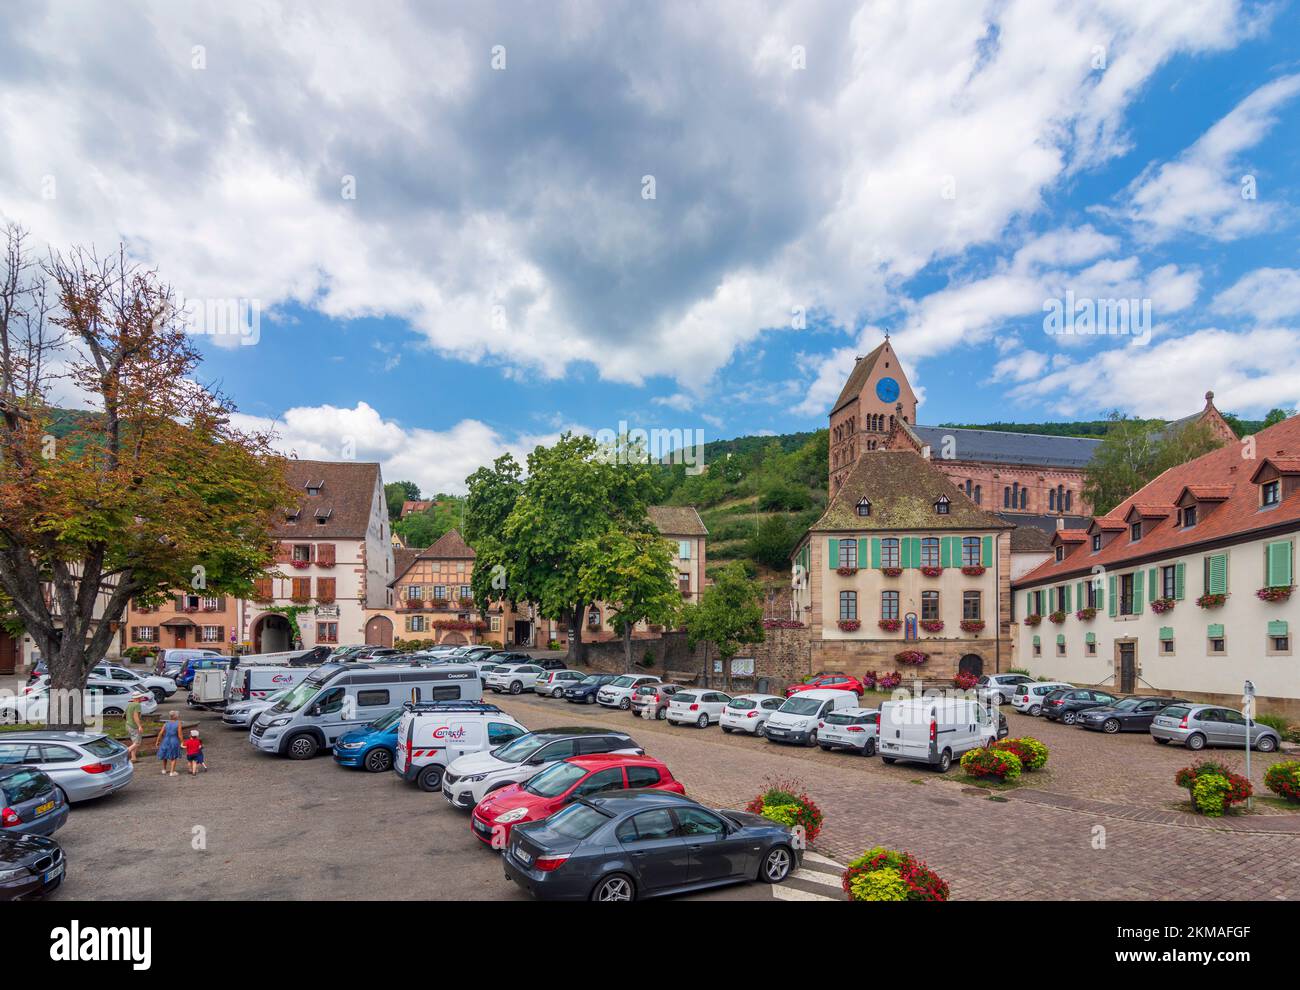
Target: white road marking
x,y
825,879
811,856
783,893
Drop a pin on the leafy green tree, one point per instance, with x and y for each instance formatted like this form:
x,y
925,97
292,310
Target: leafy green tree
x,y
728,616
634,573
1134,452
398,492
1275,416
772,544
420,529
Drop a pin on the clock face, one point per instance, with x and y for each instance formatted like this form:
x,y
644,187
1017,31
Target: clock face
x,y
887,390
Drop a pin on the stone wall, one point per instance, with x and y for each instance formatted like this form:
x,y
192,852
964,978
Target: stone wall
x,y
860,655
670,651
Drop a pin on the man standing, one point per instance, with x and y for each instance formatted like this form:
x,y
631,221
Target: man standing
x,y
134,727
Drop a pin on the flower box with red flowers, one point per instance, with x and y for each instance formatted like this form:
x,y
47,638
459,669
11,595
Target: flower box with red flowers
x,y
209,608
1208,600
1086,613
972,570
891,571
438,603
931,571
913,658
190,608
302,565
1162,605
932,625
1033,619
972,625
846,571
1058,616
849,625
965,681
415,603
890,625
1274,593
467,603
887,682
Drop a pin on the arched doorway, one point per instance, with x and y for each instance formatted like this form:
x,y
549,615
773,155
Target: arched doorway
x,y
971,663
453,639
379,631
271,634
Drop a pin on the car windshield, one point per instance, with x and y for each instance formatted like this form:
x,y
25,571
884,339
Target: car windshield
x,y
622,682
518,750
839,718
386,721
103,746
295,699
742,704
801,706
555,780
577,821
1127,704
683,698
592,679
1176,711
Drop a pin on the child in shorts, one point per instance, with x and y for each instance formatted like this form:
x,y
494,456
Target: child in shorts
x,y
194,753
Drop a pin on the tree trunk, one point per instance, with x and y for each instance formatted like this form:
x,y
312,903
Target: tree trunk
x,y
627,646
705,670
577,648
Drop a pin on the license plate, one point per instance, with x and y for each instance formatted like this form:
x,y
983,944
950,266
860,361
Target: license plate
x,y
480,827
53,874
47,806
522,856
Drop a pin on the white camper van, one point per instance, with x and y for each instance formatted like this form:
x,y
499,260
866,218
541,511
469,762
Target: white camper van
x,y
934,730
431,735
262,680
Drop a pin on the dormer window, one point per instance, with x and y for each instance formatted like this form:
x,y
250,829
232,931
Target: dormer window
x,y
1189,516
1096,542
292,515
1060,554
1270,493
942,506
1135,531
864,508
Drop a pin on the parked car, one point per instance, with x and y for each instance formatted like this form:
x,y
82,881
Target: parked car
x,y
854,729
550,663
470,778
796,720
624,846
552,683
618,692
749,713
584,692
563,783
240,714
433,735
83,765
1065,706
30,866
1028,698
1198,726
507,657
653,697
168,663
473,653
30,802
696,706
101,698
372,747
1132,714
833,682
515,678
161,687
936,731
998,689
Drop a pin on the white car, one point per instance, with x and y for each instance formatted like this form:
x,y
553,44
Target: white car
x,y
515,678
1029,698
749,713
697,706
998,688
618,692
855,729
162,688
797,719
102,697
552,683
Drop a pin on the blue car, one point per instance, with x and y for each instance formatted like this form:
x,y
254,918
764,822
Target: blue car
x,y
185,678
371,747
584,691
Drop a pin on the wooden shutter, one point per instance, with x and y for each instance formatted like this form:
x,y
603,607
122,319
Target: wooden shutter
x,y
1137,592
1068,606
1277,558
325,589
1180,580
283,553
1112,607
325,553
1216,574
1101,594
986,556
301,589
1029,603
833,553
1153,584
1081,595
862,551
262,588
945,552
875,551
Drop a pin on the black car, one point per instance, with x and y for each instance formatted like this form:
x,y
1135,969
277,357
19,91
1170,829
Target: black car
x,y
550,663
1004,729
627,845
584,692
1066,704
1132,714
30,866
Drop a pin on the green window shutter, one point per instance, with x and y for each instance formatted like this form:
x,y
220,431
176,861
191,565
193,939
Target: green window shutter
x,y
911,551
1153,585
1166,632
1180,580
1111,606
945,552
1068,606
1137,592
1029,603
1217,574
1277,627
986,552
1060,639
833,554
875,551
1214,630
1278,558
1038,641
1080,595
1090,638
862,551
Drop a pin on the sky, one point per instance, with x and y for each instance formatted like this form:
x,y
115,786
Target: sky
x,y
454,230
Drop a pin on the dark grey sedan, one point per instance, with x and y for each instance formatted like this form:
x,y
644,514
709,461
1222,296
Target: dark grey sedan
x,y
628,845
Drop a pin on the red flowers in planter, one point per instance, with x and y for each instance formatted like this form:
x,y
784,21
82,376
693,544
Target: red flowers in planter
x,y
972,570
1211,601
1274,593
887,682
301,564
912,658
972,625
890,625
931,571
1086,613
849,625
1058,616
781,624
965,680
891,571
932,625
846,571
1162,605
1033,619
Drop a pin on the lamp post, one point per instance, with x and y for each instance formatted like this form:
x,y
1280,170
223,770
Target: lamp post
x,y
1248,709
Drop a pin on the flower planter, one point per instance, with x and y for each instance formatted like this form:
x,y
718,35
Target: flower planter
x,y
1162,605
965,681
881,874
887,682
1211,601
846,571
302,565
932,625
891,571
1084,614
931,571
890,625
1057,617
1033,620
1274,593
972,571
913,658
771,624
972,625
849,625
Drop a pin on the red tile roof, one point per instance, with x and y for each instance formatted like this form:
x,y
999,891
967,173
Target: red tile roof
x,y
449,546
346,497
1207,493
1070,536
1238,515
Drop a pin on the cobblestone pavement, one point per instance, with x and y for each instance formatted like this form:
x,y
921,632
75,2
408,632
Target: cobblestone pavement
x,y
986,849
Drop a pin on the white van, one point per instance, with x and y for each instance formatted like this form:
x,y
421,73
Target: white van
x,y
934,730
262,681
796,720
431,735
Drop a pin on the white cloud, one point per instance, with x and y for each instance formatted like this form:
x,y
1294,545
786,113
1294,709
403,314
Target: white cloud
x,y
1265,295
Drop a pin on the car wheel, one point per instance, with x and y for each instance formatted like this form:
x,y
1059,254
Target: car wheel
x,y
761,730
1266,744
1035,710
1111,725
1196,741
515,687
702,721
113,712
302,747
379,760
997,699
812,738
661,714
558,693
430,778
591,699
625,704
776,865
1069,718
617,887
945,761
870,748
159,695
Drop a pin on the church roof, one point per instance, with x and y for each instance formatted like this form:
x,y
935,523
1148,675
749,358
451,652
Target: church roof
x,y
858,378
1009,448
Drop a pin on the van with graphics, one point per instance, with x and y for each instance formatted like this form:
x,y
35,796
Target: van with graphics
x,y
336,698
431,735
255,683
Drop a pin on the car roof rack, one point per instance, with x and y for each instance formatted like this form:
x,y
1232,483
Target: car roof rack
x,y
449,706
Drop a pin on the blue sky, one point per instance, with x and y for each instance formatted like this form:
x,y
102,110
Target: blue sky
x,y
447,219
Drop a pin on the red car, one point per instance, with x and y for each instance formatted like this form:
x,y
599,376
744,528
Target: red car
x,y
837,682
558,785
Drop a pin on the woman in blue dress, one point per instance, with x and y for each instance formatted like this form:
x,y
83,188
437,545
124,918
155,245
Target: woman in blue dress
x,y
169,744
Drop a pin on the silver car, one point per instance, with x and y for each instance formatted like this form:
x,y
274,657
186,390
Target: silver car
x,y
83,765
242,713
1198,726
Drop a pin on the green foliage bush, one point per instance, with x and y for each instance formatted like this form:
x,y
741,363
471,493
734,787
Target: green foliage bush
x,y
1213,787
885,884
1283,779
919,882
1031,752
991,763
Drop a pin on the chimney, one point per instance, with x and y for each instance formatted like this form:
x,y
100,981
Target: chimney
x,y
1060,522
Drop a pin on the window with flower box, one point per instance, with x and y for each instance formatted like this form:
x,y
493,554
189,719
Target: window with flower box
x,y
889,604
144,634
929,606
889,553
971,606
301,553
327,632
848,605
849,554
970,551
210,634
930,551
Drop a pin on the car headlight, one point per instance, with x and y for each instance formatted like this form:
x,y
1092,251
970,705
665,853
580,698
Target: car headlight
x,y
278,721
513,815
475,778
12,874
351,745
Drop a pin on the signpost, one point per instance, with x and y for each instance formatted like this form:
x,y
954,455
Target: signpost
x,y
1248,709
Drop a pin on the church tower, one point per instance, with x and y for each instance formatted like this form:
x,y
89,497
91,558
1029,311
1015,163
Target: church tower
x,y
875,395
